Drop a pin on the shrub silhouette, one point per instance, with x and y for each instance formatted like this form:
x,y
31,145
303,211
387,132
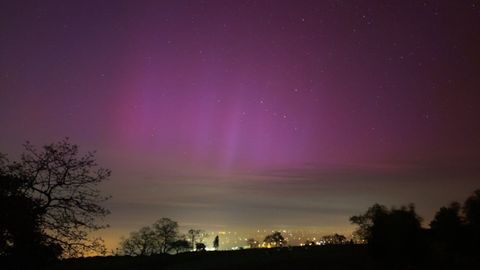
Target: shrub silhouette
x,y
181,245
200,247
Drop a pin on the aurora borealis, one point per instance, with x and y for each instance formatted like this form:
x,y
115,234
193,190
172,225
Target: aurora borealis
x,y
235,115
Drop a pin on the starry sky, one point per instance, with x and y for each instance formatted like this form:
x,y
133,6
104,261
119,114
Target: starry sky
x,y
238,115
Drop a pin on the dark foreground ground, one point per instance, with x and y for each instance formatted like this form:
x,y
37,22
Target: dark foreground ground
x,y
323,257
342,257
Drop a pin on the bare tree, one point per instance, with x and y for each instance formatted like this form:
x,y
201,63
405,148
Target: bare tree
x,y
64,186
160,237
166,232
194,235
139,243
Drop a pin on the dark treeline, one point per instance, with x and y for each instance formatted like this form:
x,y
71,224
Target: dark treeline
x,y
395,236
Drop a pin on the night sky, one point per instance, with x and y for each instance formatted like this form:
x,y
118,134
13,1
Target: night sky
x,y
239,115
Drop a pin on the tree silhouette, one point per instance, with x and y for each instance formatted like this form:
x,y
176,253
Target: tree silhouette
x,y
252,243
59,188
140,243
166,232
393,235
366,221
447,227
20,233
471,210
194,235
216,243
275,239
161,237
334,239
